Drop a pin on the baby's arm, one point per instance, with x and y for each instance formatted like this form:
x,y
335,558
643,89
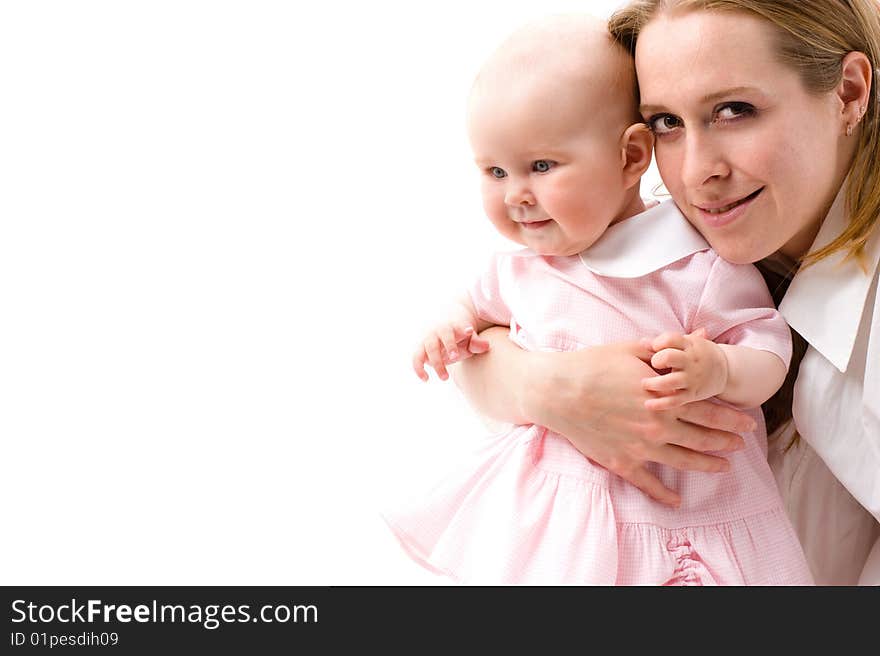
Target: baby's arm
x,y
742,376
452,340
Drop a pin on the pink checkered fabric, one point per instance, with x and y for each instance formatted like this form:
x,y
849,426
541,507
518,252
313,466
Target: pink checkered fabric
x,y
527,508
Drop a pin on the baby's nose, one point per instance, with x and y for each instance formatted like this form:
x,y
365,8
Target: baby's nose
x,y
519,194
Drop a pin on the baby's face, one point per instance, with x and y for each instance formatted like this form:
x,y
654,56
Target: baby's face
x,y
550,165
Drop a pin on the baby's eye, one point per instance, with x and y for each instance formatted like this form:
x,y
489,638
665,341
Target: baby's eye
x,y
661,124
542,165
497,172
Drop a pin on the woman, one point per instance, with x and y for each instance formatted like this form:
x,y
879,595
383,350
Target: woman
x,y
767,136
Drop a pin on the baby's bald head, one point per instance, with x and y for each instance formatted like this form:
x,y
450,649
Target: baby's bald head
x,y
570,63
551,124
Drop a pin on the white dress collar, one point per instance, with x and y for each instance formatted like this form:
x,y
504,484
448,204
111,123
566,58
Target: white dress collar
x,y
643,243
825,301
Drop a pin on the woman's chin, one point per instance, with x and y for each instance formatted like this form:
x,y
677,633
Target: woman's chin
x,y
738,253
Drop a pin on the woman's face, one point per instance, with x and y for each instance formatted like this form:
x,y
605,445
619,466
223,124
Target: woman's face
x,y
751,158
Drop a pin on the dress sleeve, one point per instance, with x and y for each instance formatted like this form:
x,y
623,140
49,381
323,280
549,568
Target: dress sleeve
x,y
487,293
736,308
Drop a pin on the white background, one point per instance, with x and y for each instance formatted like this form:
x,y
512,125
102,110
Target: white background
x,y
224,225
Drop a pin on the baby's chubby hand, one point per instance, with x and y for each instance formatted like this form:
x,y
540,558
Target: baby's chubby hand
x,y
447,343
698,369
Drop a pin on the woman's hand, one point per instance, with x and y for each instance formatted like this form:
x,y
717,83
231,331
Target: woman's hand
x,y
595,398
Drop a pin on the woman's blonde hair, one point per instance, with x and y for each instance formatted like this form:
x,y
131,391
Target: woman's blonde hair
x,y
815,36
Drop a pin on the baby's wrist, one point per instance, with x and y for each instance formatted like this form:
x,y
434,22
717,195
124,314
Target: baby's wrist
x,y
723,365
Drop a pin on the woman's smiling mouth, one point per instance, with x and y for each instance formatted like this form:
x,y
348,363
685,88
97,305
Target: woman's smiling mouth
x,y
716,215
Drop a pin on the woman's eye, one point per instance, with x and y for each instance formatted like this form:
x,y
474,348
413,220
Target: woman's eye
x,y
732,111
542,165
497,172
664,123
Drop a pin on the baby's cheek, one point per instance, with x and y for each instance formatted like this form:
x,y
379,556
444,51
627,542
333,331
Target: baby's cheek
x,y
568,195
494,207
503,224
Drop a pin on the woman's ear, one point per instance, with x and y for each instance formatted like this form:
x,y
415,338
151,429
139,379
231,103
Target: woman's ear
x,y
636,146
854,89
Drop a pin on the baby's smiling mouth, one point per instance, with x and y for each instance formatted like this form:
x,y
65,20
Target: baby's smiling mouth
x,y
534,225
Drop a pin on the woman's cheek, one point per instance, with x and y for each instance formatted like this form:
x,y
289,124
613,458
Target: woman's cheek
x,y
669,166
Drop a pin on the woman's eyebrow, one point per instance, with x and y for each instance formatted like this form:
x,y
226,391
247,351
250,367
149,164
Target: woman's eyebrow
x,y
651,109
708,98
732,91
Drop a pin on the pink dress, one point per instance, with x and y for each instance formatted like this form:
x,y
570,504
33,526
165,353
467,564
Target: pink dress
x,y
527,508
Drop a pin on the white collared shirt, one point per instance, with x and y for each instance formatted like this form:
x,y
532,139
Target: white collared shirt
x,y
833,305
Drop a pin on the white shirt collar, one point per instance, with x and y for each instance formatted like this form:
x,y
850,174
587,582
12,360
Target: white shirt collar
x,y
825,301
643,243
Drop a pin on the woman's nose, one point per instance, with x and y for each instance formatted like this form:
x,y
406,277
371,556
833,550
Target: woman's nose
x,y
704,161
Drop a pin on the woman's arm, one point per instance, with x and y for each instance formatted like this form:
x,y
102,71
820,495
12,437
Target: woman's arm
x,y
493,381
594,397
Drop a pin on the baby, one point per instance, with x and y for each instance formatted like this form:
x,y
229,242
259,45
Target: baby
x,y
556,134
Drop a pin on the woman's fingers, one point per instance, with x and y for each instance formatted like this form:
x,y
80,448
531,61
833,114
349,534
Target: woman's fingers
x,y
668,402
593,397
667,383
651,485
687,460
701,439
719,417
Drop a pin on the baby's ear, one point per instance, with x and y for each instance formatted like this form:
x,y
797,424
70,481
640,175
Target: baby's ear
x,y
636,145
